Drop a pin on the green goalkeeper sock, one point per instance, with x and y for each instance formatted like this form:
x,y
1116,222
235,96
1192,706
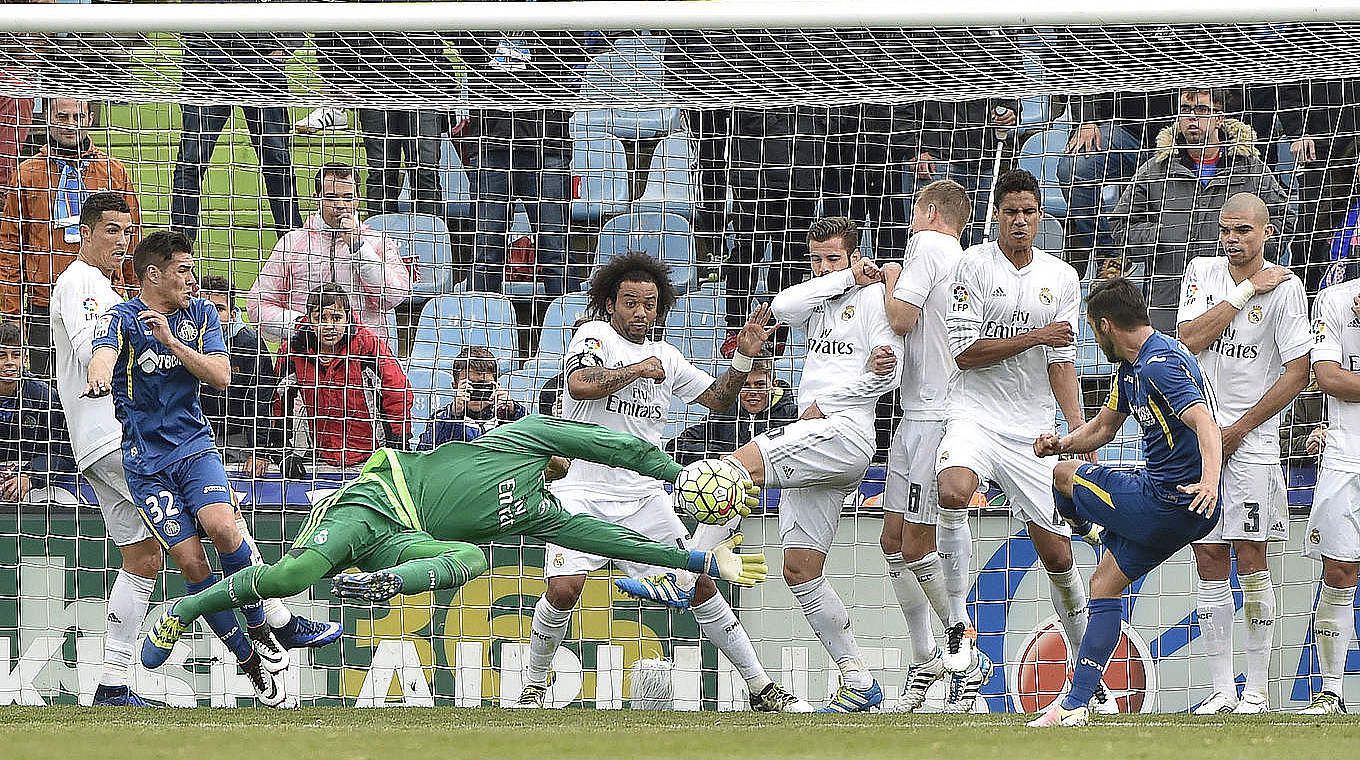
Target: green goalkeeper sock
x,y
236,590
448,570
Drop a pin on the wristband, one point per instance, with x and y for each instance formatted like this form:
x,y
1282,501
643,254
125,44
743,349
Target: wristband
x,y
1239,297
741,362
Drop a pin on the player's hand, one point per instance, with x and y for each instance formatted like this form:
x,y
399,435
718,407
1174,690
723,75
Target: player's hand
x,y
812,413
749,498
923,166
1317,440
1047,445
1267,279
1304,150
891,272
1206,497
1232,440
741,569
461,396
756,331
1084,139
99,380
652,369
254,467
557,468
882,360
158,324
866,272
15,486
1056,334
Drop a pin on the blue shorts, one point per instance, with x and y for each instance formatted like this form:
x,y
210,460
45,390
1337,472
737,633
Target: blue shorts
x,y
1144,523
169,500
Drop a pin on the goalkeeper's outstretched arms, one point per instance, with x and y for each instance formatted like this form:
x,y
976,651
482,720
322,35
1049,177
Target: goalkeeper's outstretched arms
x,y
547,436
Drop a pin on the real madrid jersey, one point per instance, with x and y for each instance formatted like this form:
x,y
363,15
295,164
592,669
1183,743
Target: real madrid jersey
x,y
1246,359
154,396
639,408
992,299
927,367
80,297
1336,338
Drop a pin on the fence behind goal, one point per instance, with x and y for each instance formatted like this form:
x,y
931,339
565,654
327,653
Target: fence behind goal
x,y
712,149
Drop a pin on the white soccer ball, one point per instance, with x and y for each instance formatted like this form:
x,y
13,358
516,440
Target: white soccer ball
x,y
708,491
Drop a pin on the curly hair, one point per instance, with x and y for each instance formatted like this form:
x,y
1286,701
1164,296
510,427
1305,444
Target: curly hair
x,y
630,267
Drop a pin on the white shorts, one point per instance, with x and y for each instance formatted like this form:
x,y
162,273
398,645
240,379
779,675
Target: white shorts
x,y
816,464
122,520
1253,504
910,488
1010,463
654,518
1334,524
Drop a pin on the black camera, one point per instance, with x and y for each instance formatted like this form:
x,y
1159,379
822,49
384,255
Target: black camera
x,y
481,392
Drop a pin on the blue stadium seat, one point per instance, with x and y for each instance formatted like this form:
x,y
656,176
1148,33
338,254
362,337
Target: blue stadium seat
x,y
664,236
454,184
450,323
633,72
557,324
431,389
1039,156
672,186
526,382
695,325
599,178
1050,236
427,238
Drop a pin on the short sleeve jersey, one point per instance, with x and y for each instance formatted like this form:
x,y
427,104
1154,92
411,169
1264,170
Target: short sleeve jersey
x,y
1336,338
927,366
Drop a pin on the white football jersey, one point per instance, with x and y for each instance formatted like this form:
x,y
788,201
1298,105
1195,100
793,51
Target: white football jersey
x,y
844,323
639,408
991,299
1336,338
80,298
927,274
1247,358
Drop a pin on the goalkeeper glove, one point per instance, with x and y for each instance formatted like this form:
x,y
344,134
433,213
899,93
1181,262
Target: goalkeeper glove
x,y
724,562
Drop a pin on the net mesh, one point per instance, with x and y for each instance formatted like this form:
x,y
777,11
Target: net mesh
x,y
496,171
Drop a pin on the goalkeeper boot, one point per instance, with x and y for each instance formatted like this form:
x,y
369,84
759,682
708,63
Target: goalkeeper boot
x,y
1058,716
378,586
959,648
920,677
775,699
1252,703
268,686
1218,703
662,589
161,639
119,696
1102,703
301,633
1325,703
271,652
849,699
964,687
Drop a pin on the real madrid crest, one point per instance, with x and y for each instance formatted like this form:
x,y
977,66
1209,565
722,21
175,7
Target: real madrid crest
x,y
187,331
1254,315
1046,296
848,314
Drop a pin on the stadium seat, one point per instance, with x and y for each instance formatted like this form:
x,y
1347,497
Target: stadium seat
x,y
1050,236
450,323
664,236
599,178
557,324
454,184
672,186
426,238
1091,361
633,72
526,382
695,325
1039,156
431,389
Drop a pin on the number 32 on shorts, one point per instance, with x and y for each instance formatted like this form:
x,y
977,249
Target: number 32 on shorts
x,y
161,507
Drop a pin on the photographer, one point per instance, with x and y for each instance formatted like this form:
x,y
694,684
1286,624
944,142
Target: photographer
x,y
479,403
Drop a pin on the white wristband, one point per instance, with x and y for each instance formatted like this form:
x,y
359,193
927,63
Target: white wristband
x,y
741,362
1239,297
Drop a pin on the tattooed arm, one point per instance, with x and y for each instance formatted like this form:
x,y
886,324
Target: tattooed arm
x,y
595,382
722,394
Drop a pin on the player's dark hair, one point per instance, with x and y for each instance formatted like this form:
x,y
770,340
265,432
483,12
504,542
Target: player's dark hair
x,y
473,359
216,283
337,170
158,248
326,295
92,211
1119,301
10,335
1015,181
630,267
829,227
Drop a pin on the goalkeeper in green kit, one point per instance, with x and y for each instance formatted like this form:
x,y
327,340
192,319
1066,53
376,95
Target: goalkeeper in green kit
x,y
408,520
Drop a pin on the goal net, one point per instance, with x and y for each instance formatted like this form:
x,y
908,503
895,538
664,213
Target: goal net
x,y
483,159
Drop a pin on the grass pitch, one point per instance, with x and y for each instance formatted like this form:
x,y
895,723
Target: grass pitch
x,y
72,733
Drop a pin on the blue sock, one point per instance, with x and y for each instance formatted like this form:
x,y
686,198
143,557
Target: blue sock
x,y
233,563
1102,635
223,623
1068,510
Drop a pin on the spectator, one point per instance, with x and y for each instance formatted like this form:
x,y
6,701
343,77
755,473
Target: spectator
x,y
16,116
40,226
249,66
33,442
764,403
479,402
332,247
353,393
1169,214
240,413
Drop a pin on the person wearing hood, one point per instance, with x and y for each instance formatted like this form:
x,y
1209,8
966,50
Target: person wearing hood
x,y
40,225
763,403
239,415
1169,213
355,398
333,247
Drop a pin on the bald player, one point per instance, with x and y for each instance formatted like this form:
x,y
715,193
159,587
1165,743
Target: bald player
x,y
1246,321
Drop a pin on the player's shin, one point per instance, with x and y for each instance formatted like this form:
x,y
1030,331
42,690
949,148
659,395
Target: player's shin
x,y
546,634
450,569
1102,635
1215,611
1258,609
954,542
223,622
1068,594
829,619
720,625
275,612
128,602
234,562
912,598
1333,629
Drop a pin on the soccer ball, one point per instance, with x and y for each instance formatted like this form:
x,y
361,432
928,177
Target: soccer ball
x,y
708,491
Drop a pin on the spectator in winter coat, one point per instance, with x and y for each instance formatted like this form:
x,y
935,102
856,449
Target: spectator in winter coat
x,y
764,403
33,442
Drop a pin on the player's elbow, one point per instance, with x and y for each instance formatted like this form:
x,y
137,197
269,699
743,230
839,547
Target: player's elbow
x,y
967,360
581,390
1328,375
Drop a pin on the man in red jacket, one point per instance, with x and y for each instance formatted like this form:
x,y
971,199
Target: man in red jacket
x,y
353,394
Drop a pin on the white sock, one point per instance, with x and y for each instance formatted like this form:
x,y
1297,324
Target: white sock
x,y
954,543
720,626
1069,601
706,537
915,606
1258,609
1215,608
276,614
830,620
128,601
1333,629
549,628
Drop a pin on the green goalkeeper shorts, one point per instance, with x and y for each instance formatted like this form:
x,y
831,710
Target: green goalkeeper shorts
x,y
349,533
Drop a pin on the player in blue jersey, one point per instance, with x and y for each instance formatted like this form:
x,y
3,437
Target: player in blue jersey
x,y
152,353
1149,513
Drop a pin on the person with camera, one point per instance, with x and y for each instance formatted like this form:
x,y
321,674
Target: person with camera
x,y
479,403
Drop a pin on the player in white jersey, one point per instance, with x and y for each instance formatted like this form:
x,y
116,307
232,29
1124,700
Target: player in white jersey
x,y
617,377
918,298
818,461
1244,319
1334,524
1012,324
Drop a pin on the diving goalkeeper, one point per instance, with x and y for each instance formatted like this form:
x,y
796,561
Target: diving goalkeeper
x,y
407,521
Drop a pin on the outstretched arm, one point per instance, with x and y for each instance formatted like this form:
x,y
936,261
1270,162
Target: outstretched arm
x,y
581,440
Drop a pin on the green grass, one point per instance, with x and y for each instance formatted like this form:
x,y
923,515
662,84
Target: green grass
x,y
334,733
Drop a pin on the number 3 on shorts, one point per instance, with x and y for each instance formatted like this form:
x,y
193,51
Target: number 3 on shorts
x,y
159,513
